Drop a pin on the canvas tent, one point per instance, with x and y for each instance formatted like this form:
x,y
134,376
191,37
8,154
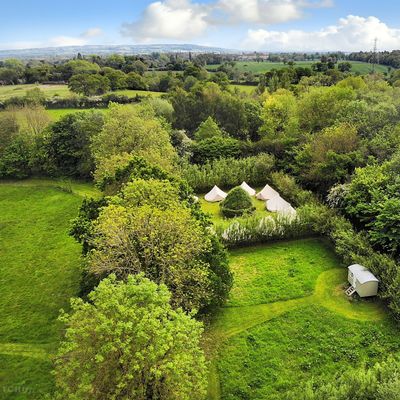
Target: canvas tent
x,y
215,194
362,281
277,204
267,193
247,188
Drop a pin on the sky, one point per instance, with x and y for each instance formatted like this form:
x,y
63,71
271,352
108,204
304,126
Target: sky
x,y
262,25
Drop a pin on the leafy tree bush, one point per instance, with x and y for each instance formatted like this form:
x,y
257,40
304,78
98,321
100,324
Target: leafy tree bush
x,y
237,203
128,132
135,81
69,143
207,129
215,148
116,78
89,84
146,350
380,382
329,158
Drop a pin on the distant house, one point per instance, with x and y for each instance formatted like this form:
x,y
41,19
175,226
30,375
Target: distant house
x,y
362,281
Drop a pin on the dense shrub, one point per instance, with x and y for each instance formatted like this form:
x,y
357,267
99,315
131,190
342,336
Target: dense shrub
x,y
253,230
69,143
381,382
228,172
237,203
214,148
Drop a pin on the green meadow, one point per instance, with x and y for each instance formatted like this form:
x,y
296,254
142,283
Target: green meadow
x,y
40,272
288,322
264,66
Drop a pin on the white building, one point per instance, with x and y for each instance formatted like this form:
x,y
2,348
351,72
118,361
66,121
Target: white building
x,y
362,281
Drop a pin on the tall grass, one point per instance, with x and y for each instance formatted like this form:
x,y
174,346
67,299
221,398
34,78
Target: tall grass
x,y
254,229
228,172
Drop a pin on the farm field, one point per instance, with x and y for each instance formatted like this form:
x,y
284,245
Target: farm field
x,y
7,91
248,89
56,114
40,272
288,322
259,67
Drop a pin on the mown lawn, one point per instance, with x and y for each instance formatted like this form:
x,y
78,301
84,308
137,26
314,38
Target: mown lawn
x,y
7,91
40,272
56,114
260,67
288,322
279,271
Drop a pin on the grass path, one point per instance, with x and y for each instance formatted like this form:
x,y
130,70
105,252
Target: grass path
x,y
328,293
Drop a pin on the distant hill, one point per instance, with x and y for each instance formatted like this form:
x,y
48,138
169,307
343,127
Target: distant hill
x,y
69,51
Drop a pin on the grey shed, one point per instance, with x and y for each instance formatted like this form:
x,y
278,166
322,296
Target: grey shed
x,y
362,281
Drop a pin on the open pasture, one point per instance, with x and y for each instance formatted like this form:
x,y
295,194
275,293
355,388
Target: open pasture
x,y
40,272
50,91
265,66
288,322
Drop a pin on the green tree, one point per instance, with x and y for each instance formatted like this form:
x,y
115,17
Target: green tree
x,y
118,79
131,131
237,203
215,148
318,108
128,342
75,67
329,158
208,129
166,245
69,143
135,81
89,84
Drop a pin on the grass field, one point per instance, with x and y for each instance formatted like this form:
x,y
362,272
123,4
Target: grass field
x,y
288,322
56,114
244,88
259,67
40,272
7,91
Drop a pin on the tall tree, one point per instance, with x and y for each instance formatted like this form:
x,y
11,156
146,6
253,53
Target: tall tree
x,y
128,343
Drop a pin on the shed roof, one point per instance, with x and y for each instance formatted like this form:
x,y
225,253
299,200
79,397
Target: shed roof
x,y
362,274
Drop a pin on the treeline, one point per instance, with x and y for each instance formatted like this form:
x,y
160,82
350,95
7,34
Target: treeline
x,y
391,59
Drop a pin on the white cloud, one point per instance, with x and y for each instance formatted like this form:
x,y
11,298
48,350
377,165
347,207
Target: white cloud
x,y
57,41
187,19
352,33
261,11
170,19
91,33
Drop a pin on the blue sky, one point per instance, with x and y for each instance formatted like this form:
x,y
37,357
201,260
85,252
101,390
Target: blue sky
x,y
286,25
